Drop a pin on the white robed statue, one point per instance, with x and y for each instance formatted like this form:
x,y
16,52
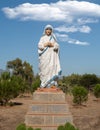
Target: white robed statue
x,y
49,64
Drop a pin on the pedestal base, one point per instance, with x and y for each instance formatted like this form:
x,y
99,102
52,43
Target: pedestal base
x,y
48,110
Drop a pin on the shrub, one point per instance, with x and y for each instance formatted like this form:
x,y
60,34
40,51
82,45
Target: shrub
x,y
23,127
30,128
61,127
96,91
35,84
8,90
67,126
80,94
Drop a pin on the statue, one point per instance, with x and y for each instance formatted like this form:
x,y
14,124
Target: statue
x,y
49,63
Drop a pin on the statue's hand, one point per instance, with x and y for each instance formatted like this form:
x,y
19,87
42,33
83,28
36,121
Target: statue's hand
x,y
45,44
50,44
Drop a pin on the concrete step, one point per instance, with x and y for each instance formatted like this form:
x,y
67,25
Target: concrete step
x,y
49,97
48,108
48,119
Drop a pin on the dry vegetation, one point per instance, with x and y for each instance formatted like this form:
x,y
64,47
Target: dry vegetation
x,y
86,117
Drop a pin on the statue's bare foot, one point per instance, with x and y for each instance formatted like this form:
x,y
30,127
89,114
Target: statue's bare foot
x,y
40,89
55,88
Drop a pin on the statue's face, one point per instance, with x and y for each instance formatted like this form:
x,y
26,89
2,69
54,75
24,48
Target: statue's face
x,y
48,31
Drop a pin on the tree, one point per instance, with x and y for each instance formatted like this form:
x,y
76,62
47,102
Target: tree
x,y
22,69
88,80
73,79
28,73
16,66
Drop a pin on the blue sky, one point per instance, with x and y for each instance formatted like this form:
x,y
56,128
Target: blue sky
x,y
76,25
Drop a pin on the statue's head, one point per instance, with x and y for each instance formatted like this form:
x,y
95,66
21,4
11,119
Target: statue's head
x,y
48,30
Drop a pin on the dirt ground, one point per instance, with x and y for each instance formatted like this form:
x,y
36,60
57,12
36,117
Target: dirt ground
x,y
86,117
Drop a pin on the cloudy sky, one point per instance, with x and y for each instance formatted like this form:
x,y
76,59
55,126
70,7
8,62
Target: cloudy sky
x,y
76,25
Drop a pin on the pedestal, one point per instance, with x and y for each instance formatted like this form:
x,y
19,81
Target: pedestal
x,y
48,110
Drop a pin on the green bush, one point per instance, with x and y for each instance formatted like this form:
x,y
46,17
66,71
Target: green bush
x,y
67,126
35,84
30,128
8,90
80,94
96,91
23,127
37,129
21,83
61,127
10,87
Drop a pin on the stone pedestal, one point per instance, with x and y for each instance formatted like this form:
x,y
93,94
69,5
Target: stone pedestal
x,y
48,110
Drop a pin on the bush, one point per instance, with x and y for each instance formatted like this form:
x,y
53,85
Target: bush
x,y
67,126
96,91
8,90
35,84
80,94
23,127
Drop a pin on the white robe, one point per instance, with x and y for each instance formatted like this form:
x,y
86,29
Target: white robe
x,y
49,64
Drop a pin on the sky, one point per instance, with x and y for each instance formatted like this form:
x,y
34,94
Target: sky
x,y
76,25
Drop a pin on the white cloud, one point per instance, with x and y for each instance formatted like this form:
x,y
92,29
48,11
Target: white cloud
x,y
63,28
87,20
74,13
41,12
66,38
83,29
60,11
62,37
77,42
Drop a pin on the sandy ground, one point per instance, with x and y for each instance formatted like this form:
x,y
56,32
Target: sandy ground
x,y
86,117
